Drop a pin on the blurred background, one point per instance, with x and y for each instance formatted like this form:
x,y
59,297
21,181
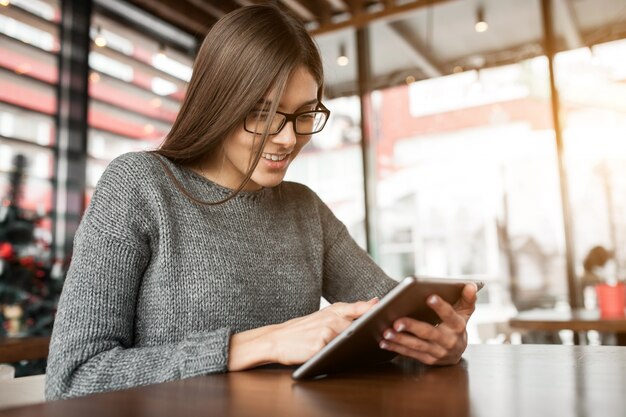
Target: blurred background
x,y
470,138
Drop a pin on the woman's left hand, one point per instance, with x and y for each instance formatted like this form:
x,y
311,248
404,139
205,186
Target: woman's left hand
x,y
434,345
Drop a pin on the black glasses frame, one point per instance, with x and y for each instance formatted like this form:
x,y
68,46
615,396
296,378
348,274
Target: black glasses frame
x,y
291,117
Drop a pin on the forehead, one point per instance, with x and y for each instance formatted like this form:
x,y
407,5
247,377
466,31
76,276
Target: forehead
x,y
301,88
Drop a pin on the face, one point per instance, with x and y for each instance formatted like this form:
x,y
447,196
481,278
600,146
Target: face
x,y
229,167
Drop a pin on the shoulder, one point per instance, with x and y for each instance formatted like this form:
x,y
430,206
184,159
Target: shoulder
x,y
308,200
130,172
299,191
127,166
125,187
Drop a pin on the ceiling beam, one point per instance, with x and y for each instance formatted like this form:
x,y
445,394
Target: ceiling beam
x,y
362,18
419,54
565,13
338,5
208,8
216,8
320,8
179,13
304,13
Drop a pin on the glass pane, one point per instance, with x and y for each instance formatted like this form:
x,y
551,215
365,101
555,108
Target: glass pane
x,y
36,195
467,179
23,59
593,103
40,159
24,92
25,125
135,90
19,23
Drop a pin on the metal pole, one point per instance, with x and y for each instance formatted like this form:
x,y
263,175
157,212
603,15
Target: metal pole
x,y
548,32
364,76
71,138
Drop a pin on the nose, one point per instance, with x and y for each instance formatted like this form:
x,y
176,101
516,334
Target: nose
x,y
286,137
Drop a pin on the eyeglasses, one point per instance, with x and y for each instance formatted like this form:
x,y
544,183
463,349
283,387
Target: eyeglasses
x,y
304,123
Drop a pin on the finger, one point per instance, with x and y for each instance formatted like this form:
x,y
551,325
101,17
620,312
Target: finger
x,y
467,302
417,344
353,310
447,313
425,331
423,357
334,327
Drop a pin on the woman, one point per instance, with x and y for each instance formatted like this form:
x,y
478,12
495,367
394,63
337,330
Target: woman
x,y
197,258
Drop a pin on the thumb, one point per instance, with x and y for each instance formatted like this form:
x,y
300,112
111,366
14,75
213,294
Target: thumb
x,y
467,303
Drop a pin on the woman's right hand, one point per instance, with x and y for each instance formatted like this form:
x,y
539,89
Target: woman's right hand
x,y
295,341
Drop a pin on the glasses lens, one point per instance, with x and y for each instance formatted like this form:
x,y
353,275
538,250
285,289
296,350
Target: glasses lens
x,y
257,121
310,122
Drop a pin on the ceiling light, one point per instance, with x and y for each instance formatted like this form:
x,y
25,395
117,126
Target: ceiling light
x,y
481,24
342,59
161,53
99,40
23,68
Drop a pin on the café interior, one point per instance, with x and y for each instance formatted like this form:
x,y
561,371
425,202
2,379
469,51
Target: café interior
x,y
468,139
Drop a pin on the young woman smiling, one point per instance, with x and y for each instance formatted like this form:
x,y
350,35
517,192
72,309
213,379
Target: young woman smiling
x,y
198,258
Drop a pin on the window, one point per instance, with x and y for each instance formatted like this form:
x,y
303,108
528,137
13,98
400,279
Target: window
x,y
593,103
136,86
467,178
29,44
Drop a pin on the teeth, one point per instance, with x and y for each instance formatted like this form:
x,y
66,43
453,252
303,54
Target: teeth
x,y
274,157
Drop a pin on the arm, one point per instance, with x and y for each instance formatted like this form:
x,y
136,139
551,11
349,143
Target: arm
x,y
92,342
349,272
93,347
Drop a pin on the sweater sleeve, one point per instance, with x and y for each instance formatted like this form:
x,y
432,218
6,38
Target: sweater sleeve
x,y
349,273
92,346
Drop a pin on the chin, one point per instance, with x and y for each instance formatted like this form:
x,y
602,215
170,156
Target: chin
x,y
268,181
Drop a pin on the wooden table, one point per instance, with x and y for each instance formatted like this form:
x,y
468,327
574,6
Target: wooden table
x,y
23,348
576,320
492,380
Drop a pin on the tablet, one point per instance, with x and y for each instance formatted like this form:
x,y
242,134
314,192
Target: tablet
x,y
358,345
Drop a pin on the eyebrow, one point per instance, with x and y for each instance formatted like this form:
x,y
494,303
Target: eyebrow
x,y
269,102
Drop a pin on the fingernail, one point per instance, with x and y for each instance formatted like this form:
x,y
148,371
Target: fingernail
x,y
383,344
433,300
373,299
389,335
400,327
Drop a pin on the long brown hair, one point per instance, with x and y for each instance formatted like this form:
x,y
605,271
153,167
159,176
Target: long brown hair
x,y
246,54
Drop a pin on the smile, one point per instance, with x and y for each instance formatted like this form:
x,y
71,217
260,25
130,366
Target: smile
x,y
274,157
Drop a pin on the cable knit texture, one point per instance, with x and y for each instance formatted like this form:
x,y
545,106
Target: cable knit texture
x,y
157,283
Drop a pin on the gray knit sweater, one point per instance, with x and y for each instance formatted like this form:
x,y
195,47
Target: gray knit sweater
x,y
157,283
